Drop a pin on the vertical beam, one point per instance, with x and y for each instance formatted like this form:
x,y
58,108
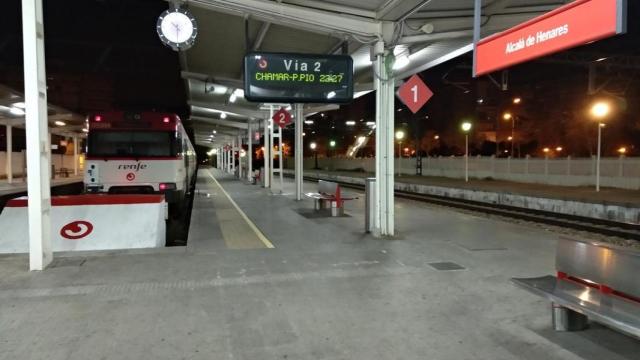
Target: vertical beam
x,y
232,154
249,152
75,155
384,86
38,149
477,17
271,130
9,162
299,148
239,160
267,155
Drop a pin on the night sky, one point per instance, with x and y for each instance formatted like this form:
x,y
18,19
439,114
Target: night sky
x,y
102,55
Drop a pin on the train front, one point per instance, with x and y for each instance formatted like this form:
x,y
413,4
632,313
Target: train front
x,y
136,153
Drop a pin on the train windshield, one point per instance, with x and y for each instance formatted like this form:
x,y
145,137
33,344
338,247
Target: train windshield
x,y
132,144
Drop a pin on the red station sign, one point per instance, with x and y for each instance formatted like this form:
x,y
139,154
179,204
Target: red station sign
x,y
574,24
281,117
414,93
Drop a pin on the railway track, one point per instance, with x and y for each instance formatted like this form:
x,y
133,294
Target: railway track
x,y
593,225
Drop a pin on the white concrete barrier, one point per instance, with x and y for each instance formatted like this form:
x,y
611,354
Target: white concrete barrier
x,y
90,222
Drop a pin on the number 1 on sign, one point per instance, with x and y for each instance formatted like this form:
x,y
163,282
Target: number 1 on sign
x,y
414,89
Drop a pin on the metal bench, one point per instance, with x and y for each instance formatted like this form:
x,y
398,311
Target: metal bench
x,y
329,195
594,281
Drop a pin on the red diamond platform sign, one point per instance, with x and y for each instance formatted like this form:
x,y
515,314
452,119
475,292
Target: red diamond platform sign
x,y
414,93
282,118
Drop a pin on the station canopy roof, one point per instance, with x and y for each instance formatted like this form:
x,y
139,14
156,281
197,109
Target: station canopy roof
x,y
61,121
429,32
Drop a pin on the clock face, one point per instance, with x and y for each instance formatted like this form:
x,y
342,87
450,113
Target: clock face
x,y
177,28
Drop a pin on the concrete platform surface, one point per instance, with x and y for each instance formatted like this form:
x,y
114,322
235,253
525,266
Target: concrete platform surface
x,y
440,290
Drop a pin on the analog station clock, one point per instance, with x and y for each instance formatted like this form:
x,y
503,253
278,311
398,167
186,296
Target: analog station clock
x,y
177,29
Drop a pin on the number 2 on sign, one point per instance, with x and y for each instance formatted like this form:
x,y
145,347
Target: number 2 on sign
x,y
281,118
414,90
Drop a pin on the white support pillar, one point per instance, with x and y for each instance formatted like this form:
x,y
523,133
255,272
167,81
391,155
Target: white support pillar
x,y
38,148
232,155
75,155
9,161
384,85
249,152
239,159
267,155
271,144
299,148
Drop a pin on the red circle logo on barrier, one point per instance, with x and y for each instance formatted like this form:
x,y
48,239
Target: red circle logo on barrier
x,y
76,230
131,176
262,64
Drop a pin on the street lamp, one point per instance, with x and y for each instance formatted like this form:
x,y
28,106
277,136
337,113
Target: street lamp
x,y
508,117
599,111
399,137
313,147
517,100
466,126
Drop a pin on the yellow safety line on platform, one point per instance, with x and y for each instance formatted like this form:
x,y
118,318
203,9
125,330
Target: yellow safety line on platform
x,y
253,227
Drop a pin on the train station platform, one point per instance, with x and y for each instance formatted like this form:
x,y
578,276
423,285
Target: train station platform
x,y
323,290
609,203
20,186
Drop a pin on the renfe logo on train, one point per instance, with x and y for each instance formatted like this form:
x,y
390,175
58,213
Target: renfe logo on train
x,y
135,167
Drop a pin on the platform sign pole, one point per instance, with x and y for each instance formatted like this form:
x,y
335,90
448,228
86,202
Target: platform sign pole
x,y
271,130
299,148
384,219
267,155
9,152
249,152
280,159
36,121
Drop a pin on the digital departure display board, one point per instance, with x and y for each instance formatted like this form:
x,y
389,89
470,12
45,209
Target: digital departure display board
x,y
298,78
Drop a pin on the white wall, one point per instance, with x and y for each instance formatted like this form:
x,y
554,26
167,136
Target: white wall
x,y
619,172
18,163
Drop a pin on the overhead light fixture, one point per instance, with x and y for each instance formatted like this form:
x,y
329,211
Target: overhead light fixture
x,y
60,123
401,52
237,93
85,130
16,111
19,105
215,131
288,108
350,123
223,115
370,123
358,94
308,122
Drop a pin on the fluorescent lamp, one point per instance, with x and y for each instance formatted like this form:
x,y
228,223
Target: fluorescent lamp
x,y
350,123
60,123
16,111
19,105
223,115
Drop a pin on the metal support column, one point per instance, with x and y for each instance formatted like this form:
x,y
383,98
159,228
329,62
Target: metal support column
x,y
385,98
249,152
9,162
299,149
75,155
239,150
38,149
232,154
477,24
267,155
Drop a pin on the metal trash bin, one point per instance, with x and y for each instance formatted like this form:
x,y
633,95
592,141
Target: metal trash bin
x,y
369,204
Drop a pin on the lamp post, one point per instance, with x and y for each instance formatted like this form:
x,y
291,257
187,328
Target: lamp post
x,y
332,145
508,117
599,111
466,126
399,137
313,147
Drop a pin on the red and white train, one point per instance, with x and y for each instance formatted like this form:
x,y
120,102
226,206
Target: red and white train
x,y
140,153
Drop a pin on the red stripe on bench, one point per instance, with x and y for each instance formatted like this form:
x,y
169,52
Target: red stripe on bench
x,y
602,288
